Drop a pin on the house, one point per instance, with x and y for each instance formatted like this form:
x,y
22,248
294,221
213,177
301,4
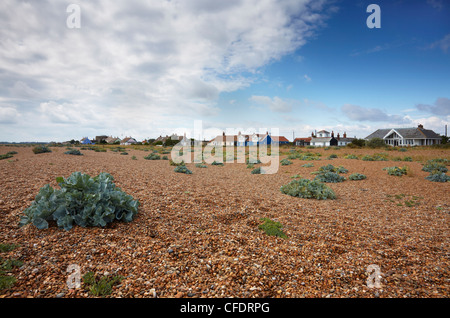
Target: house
x,y
407,136
323,139
344,140
302,141
270,140
128,141
225,140
99,139
113,140
86,141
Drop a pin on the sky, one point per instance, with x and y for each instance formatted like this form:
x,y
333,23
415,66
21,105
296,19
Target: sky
x,y
74,69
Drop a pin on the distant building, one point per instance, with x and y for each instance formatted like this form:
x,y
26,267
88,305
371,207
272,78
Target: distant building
x,y
128,141
407,136
86,141
302,141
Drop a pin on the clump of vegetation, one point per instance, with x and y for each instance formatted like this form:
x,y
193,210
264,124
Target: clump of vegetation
x,y
403,150
396,171
200,165
272,228
351,156
215,163
434,167
250,166
5,156
75,152
401,199
253,161
309,189
257,170
376,143
41,149
133,158
152,156
329,177
82,200
165,158
183,169
285,162
332,156
331,168
101,286
308,165
375,157
356,176
438,177
6,265
173,163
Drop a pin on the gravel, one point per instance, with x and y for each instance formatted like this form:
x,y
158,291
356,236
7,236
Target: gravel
x,y
197,235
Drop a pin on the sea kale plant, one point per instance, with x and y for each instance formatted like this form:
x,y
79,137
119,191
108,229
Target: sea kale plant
x,y
309,189
81,200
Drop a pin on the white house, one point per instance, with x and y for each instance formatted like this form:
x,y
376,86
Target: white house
x,y
128,141
407,136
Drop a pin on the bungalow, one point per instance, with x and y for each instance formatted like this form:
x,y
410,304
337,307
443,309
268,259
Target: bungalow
x,y
407,136
343,141
128,141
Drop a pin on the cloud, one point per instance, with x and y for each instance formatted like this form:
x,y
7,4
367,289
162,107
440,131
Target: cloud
x,y
437,4
440,107
159,57
275,104
307,78
8,114
359,113
443,44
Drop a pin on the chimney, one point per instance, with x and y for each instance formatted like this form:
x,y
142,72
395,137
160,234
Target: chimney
x,y
332,134
338,137
345,135
420,126
223,134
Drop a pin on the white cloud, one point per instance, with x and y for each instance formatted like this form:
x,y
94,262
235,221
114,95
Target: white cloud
x,y
275,104
307,78
151,58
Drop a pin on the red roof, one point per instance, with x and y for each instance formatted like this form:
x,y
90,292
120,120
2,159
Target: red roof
x,y
302,139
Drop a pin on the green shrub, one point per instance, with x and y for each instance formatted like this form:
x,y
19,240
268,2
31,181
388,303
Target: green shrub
x,y
41,149
332,156
250,166
403,150
124,153
173,163
309,189
356,176
285,162
351,156
7,281
331,168
183,169
152,156
165,158
434,167
396,171
307,165
5,156
272,228
199,165
215,163
438,177
329,177
82,200
376,143
101,286
75,152
257,170
253,161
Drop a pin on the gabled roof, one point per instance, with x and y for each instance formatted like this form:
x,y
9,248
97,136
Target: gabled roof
x,y
407,133
302,139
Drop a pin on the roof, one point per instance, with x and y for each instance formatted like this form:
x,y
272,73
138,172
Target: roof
x,y
302,139
324,131
409,133
279,138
